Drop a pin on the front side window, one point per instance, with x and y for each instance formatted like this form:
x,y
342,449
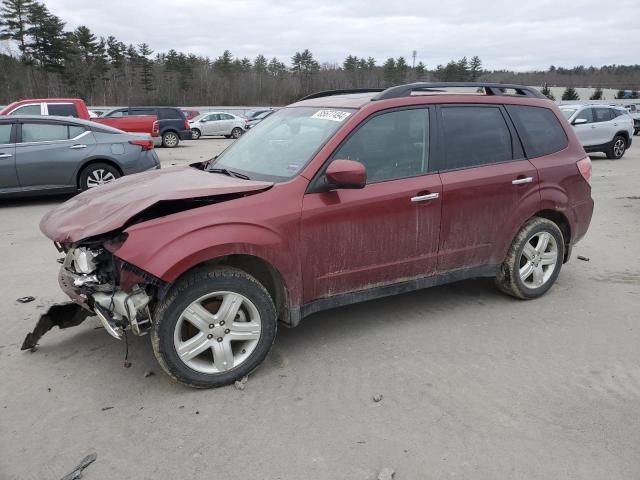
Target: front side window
x,y
33,109
539,129
283,143
62,109
43,132
568,112
5,133
391,145
213,117
587,114
169,114
474,136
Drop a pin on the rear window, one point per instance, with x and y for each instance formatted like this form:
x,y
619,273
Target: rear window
x,y
62,109
540,131
475,136
169,113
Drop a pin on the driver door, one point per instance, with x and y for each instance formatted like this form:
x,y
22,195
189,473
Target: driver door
x,y
385,232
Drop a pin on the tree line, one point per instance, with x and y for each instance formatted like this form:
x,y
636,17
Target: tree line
x,y
44,59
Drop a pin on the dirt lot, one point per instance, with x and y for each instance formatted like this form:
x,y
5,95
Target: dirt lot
x,y
475,385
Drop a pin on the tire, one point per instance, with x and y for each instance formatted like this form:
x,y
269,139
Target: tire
x,y
237,132
544,265
195,134
617,148
170,139
636,131
97,174
200,364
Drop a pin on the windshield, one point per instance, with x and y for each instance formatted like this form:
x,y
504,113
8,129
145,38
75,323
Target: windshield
x,y
282,144
568,112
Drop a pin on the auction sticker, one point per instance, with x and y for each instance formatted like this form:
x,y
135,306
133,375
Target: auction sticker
x,y
333,115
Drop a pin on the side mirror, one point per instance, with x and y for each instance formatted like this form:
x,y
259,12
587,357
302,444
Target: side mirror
x,y
579,121
346,174
204,120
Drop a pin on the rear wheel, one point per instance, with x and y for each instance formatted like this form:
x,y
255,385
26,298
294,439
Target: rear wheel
x,y
617,148
170,139
97,174
534,260
214,327
237,132
195,134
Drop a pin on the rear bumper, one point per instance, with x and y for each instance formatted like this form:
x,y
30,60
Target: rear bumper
x,y
185,134
581,214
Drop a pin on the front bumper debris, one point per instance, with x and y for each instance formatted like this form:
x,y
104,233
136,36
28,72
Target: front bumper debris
x,y
63,315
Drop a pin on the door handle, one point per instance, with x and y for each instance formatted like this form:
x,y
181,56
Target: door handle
x,y
5,155
424,198
520,181
76,147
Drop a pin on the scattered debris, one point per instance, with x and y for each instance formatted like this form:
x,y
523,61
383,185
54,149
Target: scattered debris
x,y
586,259
386,474
149,373
84,463
64,315
48,389
240,384
181,406
26,299
378,397
634,197
104,409
361,442
126,364
197,412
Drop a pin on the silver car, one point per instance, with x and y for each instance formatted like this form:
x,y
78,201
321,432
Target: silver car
x,y
601,128
64,154
217,123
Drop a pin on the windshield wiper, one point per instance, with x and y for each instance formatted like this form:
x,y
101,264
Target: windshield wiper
x,y
230,173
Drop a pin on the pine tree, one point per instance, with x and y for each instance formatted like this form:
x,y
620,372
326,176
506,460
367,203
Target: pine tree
x,y
304,66
14,23
48,39
389,71
475,68
420,70
401,70
570,94
546,91
146,67
260,65
620,94
350,63
597,94
276,68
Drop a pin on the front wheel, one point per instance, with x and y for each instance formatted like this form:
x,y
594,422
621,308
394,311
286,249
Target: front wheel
x,y
237,132
617,148
214,327
534,260
195,134
97,174
170,139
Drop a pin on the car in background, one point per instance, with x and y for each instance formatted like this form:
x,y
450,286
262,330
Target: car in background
x,y
601,128
338,198
634,111
64,155
190,114
251,114
257,119
172,126
217,123
75,107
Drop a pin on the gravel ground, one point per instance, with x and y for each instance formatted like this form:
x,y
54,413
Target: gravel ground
x,y
474,384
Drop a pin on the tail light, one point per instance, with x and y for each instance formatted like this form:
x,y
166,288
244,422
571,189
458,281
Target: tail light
x,y
186,124
584,166
145,144
155,129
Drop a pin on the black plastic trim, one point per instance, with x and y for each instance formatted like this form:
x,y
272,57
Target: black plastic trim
x,y
342,91
400,91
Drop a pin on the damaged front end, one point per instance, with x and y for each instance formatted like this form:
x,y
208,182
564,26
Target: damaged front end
x,y
99,283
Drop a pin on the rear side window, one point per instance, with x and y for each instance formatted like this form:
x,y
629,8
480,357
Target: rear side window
x,y
142,111
117,114
225,116
475,136
603,114
62,109
76,130
391,145
539,129
169,113
27,110
5,133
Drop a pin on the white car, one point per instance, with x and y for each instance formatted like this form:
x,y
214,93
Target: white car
x,y
217,123
601,128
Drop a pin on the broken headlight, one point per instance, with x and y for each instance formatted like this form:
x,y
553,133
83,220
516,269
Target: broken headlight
x,y
83,260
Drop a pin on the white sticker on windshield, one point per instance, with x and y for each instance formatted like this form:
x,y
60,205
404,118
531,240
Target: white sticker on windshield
x,y
333,115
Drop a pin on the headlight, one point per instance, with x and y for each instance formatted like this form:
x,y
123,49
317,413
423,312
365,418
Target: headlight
x,y
83,260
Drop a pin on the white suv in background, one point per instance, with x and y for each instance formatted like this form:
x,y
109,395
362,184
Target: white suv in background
x,y
601,128
217,123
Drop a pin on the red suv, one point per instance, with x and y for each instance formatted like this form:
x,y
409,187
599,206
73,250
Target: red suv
x,y
342,197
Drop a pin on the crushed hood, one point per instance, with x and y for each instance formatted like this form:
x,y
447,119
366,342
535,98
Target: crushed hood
x,y
109,207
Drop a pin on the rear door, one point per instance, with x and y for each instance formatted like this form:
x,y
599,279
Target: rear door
x,y
385,232
48,153
8,174
227,122
485,181
586,132
605,128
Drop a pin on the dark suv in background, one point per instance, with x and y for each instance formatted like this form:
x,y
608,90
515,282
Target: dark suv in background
x,y
342,197
172,122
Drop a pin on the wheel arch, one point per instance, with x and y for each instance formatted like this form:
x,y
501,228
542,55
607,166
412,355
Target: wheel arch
x,y
561,220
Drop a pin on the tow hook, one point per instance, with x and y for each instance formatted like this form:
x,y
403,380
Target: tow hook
x,y
62,315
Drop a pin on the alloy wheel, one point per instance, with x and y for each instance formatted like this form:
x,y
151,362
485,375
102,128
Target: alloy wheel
x,y
170,140
619,148
538,260
217,332
98,177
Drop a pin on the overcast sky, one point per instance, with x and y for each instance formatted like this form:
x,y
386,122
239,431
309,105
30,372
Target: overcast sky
x,y
504,33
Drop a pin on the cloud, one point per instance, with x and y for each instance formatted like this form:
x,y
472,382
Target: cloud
x,y
505,34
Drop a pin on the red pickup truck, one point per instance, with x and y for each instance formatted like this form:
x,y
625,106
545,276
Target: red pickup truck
x,y
75,107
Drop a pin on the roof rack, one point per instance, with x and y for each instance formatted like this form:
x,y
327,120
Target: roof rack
x,y
489,89
343,91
